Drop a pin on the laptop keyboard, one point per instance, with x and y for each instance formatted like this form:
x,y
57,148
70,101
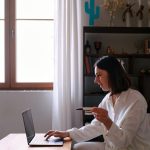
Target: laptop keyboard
x,y
39,140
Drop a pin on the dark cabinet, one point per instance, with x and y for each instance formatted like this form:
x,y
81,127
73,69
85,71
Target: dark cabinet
x,y
129,44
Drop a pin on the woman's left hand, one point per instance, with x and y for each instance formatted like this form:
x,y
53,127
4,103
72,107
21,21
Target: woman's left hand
x,y
102,115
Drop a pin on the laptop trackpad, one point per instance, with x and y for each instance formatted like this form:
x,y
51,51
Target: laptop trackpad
x,y
40,140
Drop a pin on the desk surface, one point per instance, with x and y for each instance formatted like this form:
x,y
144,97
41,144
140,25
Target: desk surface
x,y
19,142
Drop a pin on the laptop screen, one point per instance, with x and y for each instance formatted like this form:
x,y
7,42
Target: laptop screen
x,y
28,124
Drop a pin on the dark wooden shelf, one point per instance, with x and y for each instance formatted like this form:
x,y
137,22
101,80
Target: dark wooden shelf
x,y
131,55
94,94
134,62
135,30
121,55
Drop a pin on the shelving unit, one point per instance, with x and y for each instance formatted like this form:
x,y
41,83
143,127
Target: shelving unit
x,y
128,44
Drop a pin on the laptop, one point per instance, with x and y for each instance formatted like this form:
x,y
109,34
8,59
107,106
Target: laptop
x,y
34,139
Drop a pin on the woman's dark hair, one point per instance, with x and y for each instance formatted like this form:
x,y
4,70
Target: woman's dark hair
x,y
118,77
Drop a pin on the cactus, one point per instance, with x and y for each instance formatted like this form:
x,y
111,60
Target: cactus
x,y
90,10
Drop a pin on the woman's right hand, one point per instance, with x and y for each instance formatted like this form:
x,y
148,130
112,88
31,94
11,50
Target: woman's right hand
x,y
102,115
55,133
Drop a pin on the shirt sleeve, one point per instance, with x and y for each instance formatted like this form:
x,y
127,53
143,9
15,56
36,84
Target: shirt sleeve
x,y
86,132
122,136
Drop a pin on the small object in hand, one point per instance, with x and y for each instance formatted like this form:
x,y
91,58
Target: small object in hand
x,y
85,108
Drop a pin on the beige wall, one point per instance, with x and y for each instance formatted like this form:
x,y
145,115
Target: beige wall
x,y
104,15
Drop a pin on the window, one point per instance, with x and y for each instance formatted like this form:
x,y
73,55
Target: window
x,y
2,59
26,44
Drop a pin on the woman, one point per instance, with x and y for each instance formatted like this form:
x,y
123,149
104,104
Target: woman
x,y
121,117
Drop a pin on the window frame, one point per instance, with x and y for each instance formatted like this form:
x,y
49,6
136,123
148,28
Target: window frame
x,y
10,55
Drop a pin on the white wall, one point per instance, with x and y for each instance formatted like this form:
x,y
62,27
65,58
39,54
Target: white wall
x,y
12,103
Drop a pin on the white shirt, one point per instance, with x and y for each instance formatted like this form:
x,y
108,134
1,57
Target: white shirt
x,y
131,123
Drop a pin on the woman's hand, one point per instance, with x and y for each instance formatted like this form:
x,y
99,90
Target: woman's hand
x,y
61,134
102,115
